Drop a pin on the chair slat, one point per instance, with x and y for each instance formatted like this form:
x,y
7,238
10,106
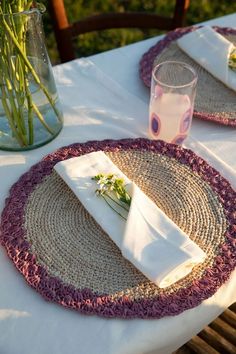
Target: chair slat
x,y
230,317
233,307
225,330
199,346
121,20
218,337
218,342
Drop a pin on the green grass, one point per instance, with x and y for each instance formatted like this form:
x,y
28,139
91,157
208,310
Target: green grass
x,y
91,43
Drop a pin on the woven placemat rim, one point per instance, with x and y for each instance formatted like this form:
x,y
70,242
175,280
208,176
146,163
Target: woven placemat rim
x,y
157,48
84,300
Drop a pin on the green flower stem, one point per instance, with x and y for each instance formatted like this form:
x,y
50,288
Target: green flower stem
x,y
119,204
114,208
12,90
30,67
28,6
16,97
110,184
14,108
30,113
13,95
20,82
16,113
11,121
40,117
232,59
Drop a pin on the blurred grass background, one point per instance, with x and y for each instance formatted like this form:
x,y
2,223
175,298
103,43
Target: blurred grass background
x,y
92,43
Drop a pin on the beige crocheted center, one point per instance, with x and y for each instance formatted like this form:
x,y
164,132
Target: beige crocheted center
x,y
71,245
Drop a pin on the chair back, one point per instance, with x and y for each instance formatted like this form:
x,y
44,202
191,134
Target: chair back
x,y
65,31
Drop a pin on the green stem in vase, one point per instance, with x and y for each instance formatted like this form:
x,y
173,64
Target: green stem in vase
x,y
30,113
15,107
40,117
30,67
15,68
12,112
10,118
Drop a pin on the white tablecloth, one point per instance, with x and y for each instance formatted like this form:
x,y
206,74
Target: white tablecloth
x,y
103,98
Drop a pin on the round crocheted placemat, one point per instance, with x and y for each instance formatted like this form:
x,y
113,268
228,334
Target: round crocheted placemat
x,y
66,256
214,101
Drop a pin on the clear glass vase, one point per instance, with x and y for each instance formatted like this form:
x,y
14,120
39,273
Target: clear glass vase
x,y
30,112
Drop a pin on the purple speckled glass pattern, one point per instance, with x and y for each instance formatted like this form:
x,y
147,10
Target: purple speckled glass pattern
x,y
148,58
12,237
179,139
186,121
155,124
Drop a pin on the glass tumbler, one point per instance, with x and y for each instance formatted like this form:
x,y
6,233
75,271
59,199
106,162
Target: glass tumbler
x,y
173,90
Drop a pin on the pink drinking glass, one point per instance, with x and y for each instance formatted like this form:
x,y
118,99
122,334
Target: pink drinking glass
x,y
173,90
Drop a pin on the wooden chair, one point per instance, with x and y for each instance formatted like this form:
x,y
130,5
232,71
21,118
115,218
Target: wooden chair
x,y
65,32
219,337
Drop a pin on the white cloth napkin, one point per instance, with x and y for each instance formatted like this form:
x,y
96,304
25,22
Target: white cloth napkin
x,y
211,50
148,238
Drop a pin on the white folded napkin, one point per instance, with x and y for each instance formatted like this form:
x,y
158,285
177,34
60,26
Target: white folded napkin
x,y
148,238
211,50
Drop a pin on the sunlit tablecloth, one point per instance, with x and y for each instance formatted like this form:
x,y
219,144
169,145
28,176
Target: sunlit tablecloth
x,y
103,98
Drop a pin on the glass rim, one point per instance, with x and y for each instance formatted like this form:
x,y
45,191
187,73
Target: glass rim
x,y
189,67
40,9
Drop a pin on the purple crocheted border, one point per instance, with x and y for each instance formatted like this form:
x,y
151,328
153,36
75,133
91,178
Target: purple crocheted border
x,y
12,237
147,60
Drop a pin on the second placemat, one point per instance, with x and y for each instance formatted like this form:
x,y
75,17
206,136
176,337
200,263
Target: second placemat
x,y
214,101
